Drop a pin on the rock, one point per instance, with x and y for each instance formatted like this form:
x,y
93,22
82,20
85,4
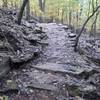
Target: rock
x,y
32,37
78,87
38,30
97,50
43,42
65,27
4,65
90,49
9,88
66,69
33,21
4,47
28,24
61,97
18,61
78,98
42,86
22,43
8,91
50,67
72,35
47,78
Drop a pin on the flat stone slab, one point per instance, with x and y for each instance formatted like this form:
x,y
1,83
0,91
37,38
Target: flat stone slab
x,y
46,78
51,67
68,69
42,86
72,35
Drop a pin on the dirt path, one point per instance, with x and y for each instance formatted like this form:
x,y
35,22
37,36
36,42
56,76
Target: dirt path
x,y
59,45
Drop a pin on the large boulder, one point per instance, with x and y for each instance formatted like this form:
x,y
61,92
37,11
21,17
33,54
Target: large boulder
x,y
90,47
19,43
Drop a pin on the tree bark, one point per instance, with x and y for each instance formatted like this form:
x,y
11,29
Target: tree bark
x,y
42,5
20,15
70,18
89,8
5,3
28,11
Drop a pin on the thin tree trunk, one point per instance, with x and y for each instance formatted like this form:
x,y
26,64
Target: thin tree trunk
x,y
77,17
89,8
62,19
97,14
5,3
20,15
93,5
93,27
70,17
28,11
42,5
77,38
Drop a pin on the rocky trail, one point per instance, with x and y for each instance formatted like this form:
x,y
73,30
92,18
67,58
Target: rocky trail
x,y
58,73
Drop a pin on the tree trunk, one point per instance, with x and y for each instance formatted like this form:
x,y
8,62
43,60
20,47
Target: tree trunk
x,y
97,14
42,5
93,27
28,11
20,15
42,8
77,17
62,18
77,38
70,17
5,3
93,5
89,8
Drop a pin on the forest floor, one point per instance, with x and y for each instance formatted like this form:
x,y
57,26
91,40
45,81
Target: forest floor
x,y
58,73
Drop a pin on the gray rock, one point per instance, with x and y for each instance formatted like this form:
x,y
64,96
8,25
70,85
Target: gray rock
x,y
22,41
10,88
90,49
42,86
67,69
4,65
72,35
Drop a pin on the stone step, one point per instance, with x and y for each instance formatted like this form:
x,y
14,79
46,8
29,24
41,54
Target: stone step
x,y
72,35
42,86
69,69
